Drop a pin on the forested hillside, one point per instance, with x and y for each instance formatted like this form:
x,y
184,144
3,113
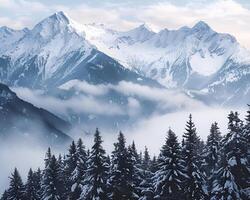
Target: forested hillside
x,y
188,169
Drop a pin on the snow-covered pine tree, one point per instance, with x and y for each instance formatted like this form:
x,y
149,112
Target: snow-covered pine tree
x,y
168,179
16,190
224,186
137,168
154,165
31,192
70,171
51,184
235,151
247,132
211,154
5,195
78,174
121,172
37,176
146,160
146,185
95,183
228,181
62,177
195,182
47,157
212,149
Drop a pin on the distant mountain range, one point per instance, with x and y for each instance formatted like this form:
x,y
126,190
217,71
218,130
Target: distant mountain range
x,y
204,65
57,50
208,64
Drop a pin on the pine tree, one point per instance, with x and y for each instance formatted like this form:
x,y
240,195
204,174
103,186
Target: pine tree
x,y
154,165
62,178
211,154
47,157
37,176
194,183
51,185
168,179
16,190
212,149
146,185
31,192
233,175
247,132
224,185
5,195
137,169
121,172
236,152
80,170
95,183
70,171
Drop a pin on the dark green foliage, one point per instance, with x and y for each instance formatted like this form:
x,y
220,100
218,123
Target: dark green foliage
x,y
137,169
194,183
51,183
76,166
211,155
16,190
169,177
95,183
31,188
146,185
194,170
233,175
121,172
5,195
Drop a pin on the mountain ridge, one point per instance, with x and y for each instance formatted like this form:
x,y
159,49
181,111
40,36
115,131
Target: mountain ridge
x,y
20,119
55,51
58,49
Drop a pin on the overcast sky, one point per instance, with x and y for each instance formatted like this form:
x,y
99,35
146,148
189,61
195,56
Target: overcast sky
x,y
228,16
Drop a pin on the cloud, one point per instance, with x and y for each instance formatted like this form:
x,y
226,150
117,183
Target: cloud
x,y
78,104
92,99
166,98
83,86
23,13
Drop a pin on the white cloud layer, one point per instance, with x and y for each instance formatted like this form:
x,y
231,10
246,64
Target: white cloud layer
x,y
89,99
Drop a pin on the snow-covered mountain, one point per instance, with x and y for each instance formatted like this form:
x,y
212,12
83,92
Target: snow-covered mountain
x,y
196,58
54,52
210,66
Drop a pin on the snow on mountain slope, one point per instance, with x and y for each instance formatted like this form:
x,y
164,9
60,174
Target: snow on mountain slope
x,y
172,57
48,43
56,51
9,36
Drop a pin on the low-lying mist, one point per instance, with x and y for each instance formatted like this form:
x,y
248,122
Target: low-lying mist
x,y
171,110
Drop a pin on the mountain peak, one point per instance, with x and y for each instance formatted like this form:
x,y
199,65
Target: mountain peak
x,y
201,25
140,33
6,29
52,25
61,17
144,26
